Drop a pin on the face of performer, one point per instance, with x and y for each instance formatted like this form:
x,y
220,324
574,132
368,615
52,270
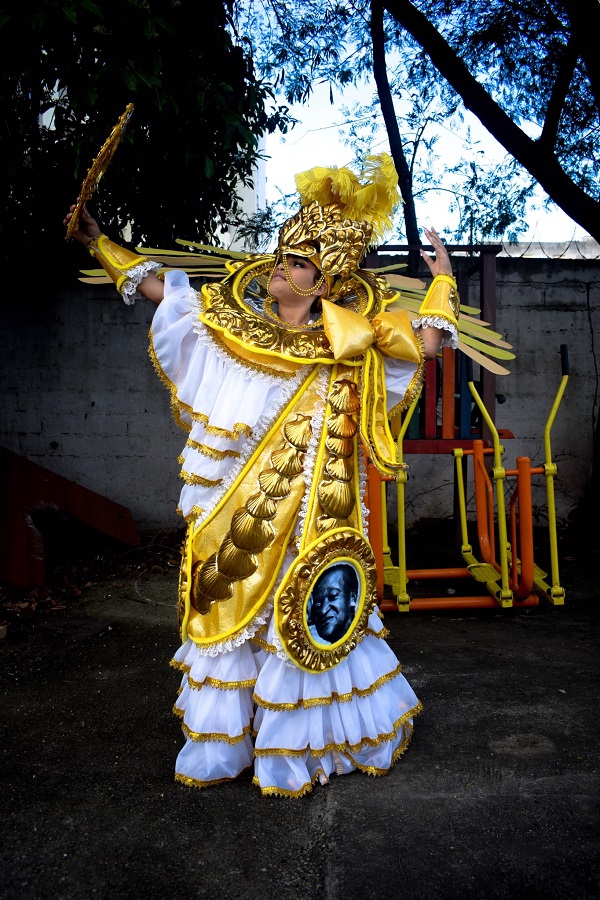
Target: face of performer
x,y
333,605
304,274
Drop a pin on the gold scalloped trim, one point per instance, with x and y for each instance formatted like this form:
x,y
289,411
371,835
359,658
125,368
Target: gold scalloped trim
x,y
239,428
189,478
268,648
212,452
383,633
343,748
178,712
268,369
292,795
201,737
196,783
220,685
175,664
192,515
375,771
328,701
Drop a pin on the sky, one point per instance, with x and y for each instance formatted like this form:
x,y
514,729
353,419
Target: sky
x,y
316,140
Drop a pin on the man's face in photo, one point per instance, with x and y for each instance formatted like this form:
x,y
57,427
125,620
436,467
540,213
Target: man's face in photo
x,y
333,604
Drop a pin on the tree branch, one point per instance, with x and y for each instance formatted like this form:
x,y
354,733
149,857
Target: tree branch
x,y
539,162
558,96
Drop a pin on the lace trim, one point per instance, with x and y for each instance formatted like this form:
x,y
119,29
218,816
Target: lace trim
x,y
362,484
263,425
135,275
343,748
328,701
450,338
238,639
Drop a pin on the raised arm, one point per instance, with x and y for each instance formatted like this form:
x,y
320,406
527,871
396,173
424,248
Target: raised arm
x,y
88,233
441,265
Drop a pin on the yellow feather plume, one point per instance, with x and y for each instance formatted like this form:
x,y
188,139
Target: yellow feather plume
x,y
371,198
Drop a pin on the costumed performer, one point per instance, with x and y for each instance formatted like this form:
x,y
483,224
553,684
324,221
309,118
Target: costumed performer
x,y
281,374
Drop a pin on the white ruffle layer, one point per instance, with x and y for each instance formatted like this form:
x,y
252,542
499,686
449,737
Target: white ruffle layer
x,y
357,715
227,405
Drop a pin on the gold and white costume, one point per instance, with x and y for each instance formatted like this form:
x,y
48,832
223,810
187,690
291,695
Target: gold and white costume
x,y
246,697
278,418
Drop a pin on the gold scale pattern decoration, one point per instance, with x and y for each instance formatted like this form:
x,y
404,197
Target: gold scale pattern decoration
x,y
251,528
336,490
337,538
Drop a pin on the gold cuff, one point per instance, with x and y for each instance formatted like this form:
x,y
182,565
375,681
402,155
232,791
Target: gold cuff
x,y
115,260
442,300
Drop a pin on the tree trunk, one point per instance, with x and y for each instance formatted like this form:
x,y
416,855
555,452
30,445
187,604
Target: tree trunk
x,y
391,123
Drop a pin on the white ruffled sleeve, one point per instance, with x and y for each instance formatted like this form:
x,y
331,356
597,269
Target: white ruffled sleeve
x,y
400,380
223,404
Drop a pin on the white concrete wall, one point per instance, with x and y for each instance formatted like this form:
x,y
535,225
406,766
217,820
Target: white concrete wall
x,y
80,395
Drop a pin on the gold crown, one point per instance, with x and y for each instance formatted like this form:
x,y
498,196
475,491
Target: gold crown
x,y
341,216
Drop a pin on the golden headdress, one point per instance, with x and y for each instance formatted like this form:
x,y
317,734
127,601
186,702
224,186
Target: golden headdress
x,y
341,214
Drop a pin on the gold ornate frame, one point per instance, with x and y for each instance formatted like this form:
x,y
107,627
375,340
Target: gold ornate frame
x,y
341,545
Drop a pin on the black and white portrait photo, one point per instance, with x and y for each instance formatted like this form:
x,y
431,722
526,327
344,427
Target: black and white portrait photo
x,y
331,606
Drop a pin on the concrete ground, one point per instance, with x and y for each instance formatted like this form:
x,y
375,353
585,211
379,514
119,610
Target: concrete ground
x,y
497,797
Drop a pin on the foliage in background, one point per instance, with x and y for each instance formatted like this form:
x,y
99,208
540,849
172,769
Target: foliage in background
x,y
193,137
529,71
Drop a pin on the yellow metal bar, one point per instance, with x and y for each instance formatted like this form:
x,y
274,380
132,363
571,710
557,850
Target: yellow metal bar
x,y
402,597
462,500
556,594
505,594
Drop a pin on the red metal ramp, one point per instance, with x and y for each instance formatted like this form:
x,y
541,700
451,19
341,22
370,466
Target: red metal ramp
x,y
25,487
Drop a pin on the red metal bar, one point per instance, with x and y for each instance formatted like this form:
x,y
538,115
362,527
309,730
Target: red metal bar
x,y
431,399
448,391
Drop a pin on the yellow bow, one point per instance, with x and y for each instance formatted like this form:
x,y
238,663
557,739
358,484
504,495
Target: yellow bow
x,y
350,334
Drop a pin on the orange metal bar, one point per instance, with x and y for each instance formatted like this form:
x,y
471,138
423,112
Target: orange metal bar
x,y
434,574
486,602
514,562
525,525
448,391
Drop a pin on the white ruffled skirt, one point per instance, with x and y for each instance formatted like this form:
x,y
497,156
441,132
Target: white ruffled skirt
x,y
251,705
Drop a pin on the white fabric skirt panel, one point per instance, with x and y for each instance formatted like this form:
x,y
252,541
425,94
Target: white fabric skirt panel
x,y
202,764
306,726
216,709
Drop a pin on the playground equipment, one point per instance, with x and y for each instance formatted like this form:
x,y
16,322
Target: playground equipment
x,y
504,566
